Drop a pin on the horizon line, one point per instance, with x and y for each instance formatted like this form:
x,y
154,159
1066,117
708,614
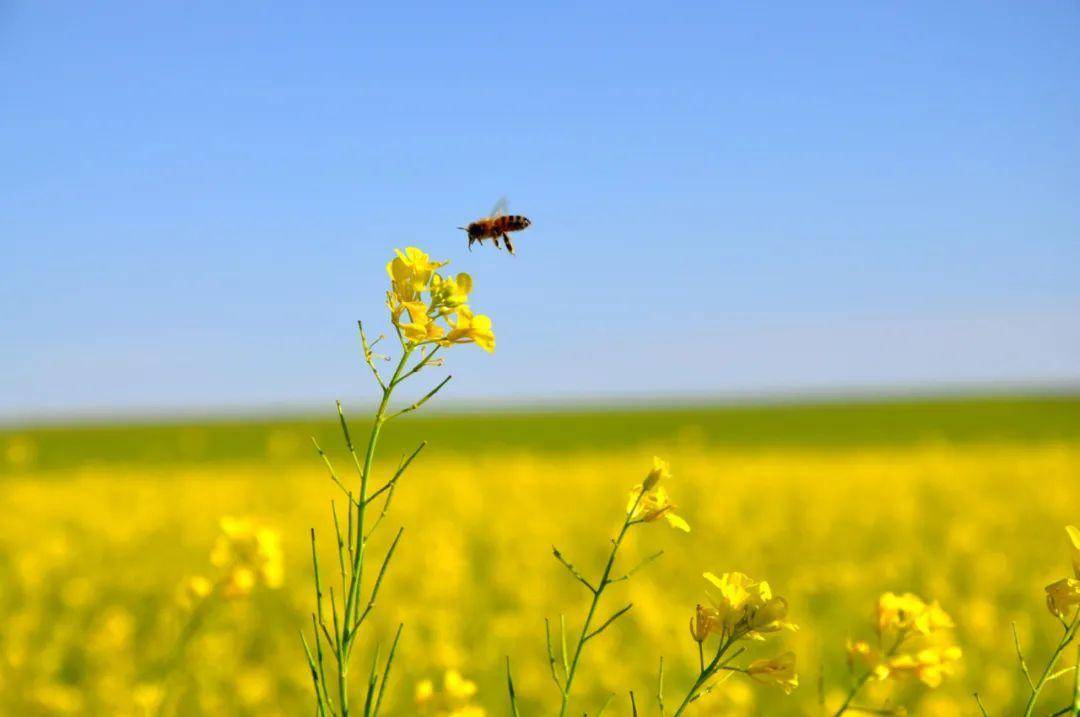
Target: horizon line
x,y
1067,389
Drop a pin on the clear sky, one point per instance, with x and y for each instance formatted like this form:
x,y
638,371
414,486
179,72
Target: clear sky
x,y
198,199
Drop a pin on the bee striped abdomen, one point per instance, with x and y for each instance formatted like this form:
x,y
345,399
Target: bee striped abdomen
x,y
512,223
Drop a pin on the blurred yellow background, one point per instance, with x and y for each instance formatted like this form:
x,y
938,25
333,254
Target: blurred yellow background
x,y
831,504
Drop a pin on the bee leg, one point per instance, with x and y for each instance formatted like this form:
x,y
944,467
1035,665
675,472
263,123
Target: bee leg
x,y
509,246
496,240
471,240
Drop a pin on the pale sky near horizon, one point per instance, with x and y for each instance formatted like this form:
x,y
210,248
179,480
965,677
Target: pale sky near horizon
x,y
197,200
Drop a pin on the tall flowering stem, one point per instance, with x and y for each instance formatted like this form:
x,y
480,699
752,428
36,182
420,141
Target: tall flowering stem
x,y
418,299
597,593
1063,602
1070,630
648,502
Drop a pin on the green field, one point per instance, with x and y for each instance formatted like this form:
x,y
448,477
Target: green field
x,y
821,424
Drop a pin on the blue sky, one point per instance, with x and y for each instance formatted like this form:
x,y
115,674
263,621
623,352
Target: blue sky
x,y
197,199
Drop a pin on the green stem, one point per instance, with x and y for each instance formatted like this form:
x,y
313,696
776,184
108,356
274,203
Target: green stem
x,y
851,695
352,600
605,580
862,680
706,672
169,666
1076,685
1070,633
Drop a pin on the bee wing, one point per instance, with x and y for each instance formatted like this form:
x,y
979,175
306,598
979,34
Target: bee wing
x,y
500,207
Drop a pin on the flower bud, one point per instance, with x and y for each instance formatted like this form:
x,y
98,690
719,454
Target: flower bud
x,y
701,624
659,471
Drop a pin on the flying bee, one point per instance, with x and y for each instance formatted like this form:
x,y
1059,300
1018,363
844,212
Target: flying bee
x,y
498,225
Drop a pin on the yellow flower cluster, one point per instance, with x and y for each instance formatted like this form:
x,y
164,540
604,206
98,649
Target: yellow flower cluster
x,y
453,700
1063,595
915,645
929,665
420,297
248,555
649,500
743,609
907,613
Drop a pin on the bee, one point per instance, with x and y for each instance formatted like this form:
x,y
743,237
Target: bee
x,y
497,225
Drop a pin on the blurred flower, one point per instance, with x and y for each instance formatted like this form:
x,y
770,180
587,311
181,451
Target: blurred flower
x,y
457,687
778,671
908,612
929,665
424,691
1062,596
194,589
453,700
249,555
860,651
649,501
909,623
1074,538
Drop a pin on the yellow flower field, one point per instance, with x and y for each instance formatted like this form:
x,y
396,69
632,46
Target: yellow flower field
x,y
97,566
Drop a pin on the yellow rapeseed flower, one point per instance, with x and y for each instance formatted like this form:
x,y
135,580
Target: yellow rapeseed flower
x,y
1074,539
649,501
778,671
423,692
422,327
453,700
457,687
930,665
451,292
194,590
412,275
410,271
660,471
745,608
860,651
470,328
1062,596
909,613
249,555
703,623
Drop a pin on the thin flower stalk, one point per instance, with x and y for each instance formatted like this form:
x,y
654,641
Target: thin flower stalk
x,y
1048,674
419,298
648,502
